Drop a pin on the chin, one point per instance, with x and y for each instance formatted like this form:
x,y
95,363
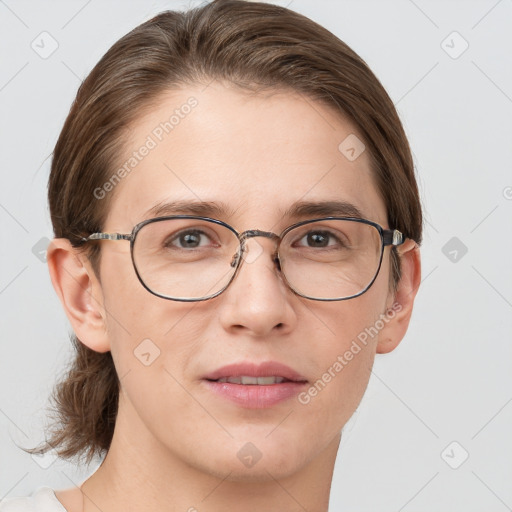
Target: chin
x,y
259,460
263,471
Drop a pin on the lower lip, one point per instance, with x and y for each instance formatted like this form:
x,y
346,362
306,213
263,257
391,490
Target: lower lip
x,y
256,396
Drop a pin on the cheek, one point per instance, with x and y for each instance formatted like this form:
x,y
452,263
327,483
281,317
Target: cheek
x,y
344,355
142,327
152,342
339,386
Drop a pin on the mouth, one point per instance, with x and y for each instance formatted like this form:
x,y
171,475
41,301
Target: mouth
x,y
255,386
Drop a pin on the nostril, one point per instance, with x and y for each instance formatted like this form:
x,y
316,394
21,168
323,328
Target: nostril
x,y
278,263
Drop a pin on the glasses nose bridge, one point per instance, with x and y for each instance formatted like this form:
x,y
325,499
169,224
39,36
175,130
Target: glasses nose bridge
x,y
253,233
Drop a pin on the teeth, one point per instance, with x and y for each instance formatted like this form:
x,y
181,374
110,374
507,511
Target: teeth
x,y
254,381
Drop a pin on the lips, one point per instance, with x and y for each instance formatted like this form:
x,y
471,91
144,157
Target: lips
x,y
255,386
245,373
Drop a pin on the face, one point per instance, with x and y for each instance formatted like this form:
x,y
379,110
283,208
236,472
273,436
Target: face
x,y
255,157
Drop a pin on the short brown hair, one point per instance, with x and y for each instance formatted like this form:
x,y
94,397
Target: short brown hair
x,y
255,46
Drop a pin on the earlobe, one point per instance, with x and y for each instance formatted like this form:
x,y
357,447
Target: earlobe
x,y
401,304
79,292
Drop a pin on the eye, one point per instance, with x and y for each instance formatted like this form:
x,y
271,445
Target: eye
x,y
189,239
319,239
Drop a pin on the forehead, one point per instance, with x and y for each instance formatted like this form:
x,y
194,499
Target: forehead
x,y
253,155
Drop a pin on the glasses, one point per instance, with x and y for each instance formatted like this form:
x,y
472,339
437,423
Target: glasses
x,y
191,258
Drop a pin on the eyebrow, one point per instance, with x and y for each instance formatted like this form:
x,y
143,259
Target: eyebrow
x,y
200,208
324,209
298,210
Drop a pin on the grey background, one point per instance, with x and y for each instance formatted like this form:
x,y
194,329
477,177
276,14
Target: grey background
x,y
449,381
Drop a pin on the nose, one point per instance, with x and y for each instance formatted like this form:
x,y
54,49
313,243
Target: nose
x,y
258,301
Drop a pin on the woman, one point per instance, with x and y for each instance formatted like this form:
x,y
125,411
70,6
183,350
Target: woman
x,y
237,230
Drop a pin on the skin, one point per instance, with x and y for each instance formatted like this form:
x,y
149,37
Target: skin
x,y
175,444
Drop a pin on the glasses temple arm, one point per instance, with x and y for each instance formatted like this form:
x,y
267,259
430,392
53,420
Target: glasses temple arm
x,y
107,236
392,237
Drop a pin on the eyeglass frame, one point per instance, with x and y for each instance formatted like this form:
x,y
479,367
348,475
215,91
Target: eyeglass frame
x,y
389,237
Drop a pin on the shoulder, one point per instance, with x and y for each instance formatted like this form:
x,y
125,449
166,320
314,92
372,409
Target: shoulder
x,y
43,499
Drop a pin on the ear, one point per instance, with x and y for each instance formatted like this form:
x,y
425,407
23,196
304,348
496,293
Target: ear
x,y
80,293
401,304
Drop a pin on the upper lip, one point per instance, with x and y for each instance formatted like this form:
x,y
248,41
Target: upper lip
x,y
249,369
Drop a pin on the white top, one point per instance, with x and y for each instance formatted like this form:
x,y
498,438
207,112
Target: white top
x,y
43,499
